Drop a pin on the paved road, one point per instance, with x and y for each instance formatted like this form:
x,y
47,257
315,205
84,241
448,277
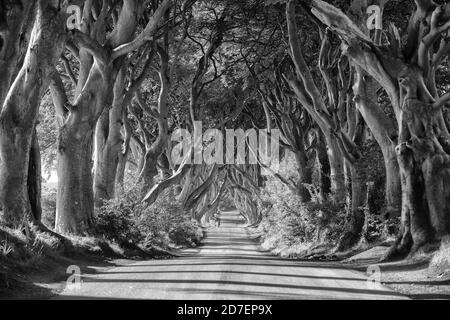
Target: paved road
x,y
229,265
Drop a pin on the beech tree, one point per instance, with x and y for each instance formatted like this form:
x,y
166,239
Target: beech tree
x,y
310,97
349,103
406,71
101,57
21,98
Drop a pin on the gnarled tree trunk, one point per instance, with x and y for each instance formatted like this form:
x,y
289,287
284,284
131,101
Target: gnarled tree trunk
x,y
34,178
407,75
149,170
109,143
75,201
19,112
323,167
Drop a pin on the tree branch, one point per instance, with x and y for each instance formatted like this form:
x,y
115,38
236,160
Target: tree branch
x,y
146,35
90,45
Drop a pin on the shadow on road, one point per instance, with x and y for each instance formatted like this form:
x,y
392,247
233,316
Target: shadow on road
x,y
229,265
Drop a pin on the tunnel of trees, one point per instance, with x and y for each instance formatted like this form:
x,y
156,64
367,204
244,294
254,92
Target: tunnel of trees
x,y
93,92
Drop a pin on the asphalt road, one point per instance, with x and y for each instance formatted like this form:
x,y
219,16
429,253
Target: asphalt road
x,y
228,265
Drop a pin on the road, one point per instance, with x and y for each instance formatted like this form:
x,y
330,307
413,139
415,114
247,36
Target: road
x,y
228,265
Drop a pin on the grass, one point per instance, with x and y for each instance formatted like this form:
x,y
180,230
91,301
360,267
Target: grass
x,y
440,263
5,248
43,259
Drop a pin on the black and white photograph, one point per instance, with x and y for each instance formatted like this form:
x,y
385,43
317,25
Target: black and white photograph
x,y
240,151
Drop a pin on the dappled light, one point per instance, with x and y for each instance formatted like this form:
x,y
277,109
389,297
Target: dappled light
x,y
224,149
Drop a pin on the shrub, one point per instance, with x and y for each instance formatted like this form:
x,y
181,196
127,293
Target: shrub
x,y
165,224
290,226
186,234
48,203
116,221
288,223
162,224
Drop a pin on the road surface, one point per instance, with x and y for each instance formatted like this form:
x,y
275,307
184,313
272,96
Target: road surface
x,y
228,265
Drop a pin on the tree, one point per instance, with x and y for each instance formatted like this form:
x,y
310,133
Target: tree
x,y
20,108
309,95
406,71
101,59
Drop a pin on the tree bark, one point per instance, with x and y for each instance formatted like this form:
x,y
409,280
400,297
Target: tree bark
x,y
149,170
35,178
99,66
311,99
304,176
19,112
109,143
74,203
423,149
384,132
356,215
14,38
337,177
108,135
323,167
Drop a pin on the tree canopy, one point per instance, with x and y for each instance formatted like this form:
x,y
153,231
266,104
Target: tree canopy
x,y
95,95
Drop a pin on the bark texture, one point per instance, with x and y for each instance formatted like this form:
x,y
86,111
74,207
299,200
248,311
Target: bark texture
x,y
406,73
19,112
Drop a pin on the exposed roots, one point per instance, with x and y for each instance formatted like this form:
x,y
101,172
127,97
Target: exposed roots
x,y
39,227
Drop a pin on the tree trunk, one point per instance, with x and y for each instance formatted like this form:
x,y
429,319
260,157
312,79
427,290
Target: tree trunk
x,y
14,39
35,178
19,112
94,92
149,170
309,95
424,168
187,184
304,174
74,203
108,136
356,215
393,184
323,167
14,153
337,177
384,132
406,72
121,168
109,143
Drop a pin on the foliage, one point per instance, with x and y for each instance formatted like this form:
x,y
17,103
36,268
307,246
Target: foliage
x,y
165,224
290,226
289,223
47,134
48,203
116,221
162,224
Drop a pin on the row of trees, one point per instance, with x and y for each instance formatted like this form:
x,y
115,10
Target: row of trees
x,y
118,85
405,66
134,71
